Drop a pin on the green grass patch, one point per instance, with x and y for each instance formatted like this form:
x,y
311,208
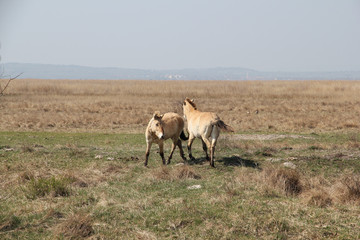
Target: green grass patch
x,y
57,187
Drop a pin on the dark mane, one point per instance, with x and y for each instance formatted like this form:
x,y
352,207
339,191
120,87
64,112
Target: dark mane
x,y
191,103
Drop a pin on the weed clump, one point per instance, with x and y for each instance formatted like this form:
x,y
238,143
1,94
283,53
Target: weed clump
x,y
9,223
44,186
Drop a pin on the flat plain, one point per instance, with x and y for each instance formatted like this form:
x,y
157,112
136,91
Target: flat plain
x,y
72,153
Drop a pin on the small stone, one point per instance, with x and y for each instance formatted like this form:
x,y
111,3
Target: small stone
x,y
194,187
274,159
110,158
98,157
289,165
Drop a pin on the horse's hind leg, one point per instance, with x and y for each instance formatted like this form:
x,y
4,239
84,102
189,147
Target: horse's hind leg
x,y
205,149
212,153
209,145
173,146
161,148
181,150
214,136
191,140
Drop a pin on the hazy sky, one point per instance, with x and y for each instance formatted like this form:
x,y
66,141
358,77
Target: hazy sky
x,y
268,35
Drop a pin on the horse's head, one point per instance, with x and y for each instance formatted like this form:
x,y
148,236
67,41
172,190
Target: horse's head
x,y
156,125
188,105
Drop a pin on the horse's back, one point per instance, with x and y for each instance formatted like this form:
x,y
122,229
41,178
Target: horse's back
x,y
201,123
173,124
202,119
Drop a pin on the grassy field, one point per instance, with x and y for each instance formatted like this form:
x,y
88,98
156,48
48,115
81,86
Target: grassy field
x,y
72,153
72,185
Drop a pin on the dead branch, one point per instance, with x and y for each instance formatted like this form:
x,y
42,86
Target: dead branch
x,y
7,84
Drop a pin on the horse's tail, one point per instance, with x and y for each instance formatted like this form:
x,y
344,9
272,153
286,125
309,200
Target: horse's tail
x,y
183,136
224,126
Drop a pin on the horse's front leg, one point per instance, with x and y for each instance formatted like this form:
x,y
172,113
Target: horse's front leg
x,y
181,150
148,146
173,146
161,149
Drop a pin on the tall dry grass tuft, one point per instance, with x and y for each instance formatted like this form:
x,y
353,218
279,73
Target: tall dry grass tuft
x,y
323,193
162,173
347,189
318,197
77,226
286,180
185,172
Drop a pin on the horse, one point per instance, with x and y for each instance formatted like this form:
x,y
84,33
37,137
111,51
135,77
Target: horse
x,y
161,128
203,125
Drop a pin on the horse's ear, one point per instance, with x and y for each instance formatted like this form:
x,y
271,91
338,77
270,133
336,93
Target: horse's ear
x,y
157,115
192,100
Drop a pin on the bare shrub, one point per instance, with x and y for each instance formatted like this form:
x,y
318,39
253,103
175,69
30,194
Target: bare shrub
x,y
77,226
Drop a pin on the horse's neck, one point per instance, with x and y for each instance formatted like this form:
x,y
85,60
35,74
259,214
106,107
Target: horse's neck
x,y
192,111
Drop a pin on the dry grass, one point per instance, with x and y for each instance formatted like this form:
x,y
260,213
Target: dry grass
x,y
285,180
126,106
312,190
177,173
77,226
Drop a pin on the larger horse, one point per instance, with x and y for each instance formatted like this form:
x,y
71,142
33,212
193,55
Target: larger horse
x,y
162,127
203,125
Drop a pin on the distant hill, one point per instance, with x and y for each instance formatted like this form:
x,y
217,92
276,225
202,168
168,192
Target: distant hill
x,y
48,71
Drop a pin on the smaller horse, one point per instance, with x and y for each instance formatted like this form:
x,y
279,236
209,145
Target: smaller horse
x,y
162,127
203,125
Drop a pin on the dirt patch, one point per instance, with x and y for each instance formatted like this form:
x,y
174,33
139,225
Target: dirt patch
x,y
262,137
